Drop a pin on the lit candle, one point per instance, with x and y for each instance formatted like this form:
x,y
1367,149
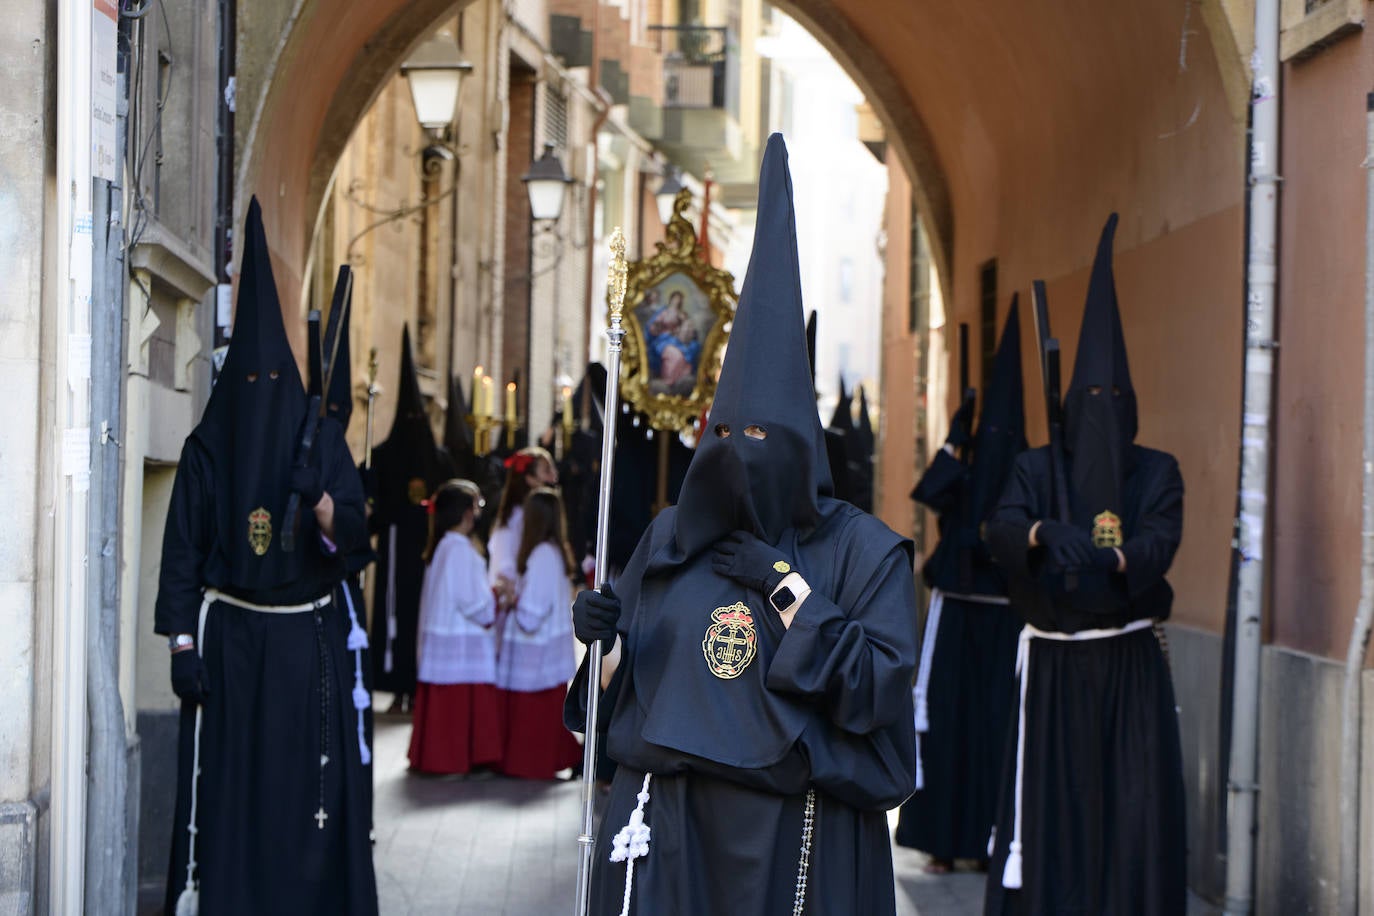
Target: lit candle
x,y
477,390
510,404
487,396
567,409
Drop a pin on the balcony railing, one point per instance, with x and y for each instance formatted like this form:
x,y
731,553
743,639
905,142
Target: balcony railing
x,y
700,66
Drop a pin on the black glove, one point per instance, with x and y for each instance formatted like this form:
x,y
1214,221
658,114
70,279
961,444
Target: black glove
x,y
1106,559
961,424
1070,547
595,615
188,676
306,481
750,562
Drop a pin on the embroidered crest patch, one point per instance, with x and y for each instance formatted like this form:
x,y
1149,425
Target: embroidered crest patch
x,y
259,530
417,491
731,642
1107,530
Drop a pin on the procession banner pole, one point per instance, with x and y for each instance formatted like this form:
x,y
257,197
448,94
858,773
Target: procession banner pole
x,y
615,335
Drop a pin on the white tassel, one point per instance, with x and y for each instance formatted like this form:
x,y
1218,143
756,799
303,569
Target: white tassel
x,y
361,698
992,840
632,842
1011,874
357,636
364,752
188,903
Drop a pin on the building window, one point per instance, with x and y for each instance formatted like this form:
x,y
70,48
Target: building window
x,y
918,309
555,117
1310,25
987,319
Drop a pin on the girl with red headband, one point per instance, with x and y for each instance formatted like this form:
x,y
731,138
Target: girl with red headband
x,y
526,470
537,646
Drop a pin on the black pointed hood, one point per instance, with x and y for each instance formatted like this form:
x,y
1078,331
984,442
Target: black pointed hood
x,y
251,426
863,431
842,419
735,481
1001,434
811,345
459,440
408,465
1100,427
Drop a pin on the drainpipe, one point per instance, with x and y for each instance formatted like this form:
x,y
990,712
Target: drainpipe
x,y
1349,885
67,448
1261,269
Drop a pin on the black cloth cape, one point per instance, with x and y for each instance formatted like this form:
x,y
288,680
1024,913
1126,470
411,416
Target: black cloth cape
x,y
276,683
971,692
825,704
1103,813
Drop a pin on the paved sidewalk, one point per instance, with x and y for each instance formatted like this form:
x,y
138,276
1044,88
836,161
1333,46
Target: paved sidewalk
x,y
504,847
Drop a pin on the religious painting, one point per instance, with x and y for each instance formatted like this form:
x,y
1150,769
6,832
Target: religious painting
x,y
677,311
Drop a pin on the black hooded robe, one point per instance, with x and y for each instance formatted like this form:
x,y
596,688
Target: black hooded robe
x,y
276,734
965,705
259,849
970,698
1099,800
407,468
1103,801
826,704
814,721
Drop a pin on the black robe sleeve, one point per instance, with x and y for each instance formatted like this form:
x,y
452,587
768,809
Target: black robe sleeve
x,y
1007,532
1150,549
857,664
941,487
186,542
345,487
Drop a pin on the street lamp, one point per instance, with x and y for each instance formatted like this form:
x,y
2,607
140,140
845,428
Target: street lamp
x,y
435,73
546,182
667,193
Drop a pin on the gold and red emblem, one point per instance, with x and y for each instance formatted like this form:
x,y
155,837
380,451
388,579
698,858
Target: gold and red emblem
x,y
417,491
259,530
1107,530
731,642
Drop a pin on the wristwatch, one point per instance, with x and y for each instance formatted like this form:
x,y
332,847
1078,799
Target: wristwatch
x,y
790,593
178,641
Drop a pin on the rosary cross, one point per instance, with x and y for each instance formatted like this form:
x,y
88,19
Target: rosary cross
x,y
321,817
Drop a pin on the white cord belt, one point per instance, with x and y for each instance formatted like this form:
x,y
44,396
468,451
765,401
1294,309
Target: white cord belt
x,y
1011,874
213,595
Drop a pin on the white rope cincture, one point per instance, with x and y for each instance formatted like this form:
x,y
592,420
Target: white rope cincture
x,y
804,863
188,901
1011,872
922,688
357,642
387,659
632,842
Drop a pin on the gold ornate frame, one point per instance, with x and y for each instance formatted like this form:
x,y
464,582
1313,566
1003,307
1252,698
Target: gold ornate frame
x,y
677,255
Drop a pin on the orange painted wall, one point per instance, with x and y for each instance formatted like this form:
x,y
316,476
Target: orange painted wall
x,y
1316,543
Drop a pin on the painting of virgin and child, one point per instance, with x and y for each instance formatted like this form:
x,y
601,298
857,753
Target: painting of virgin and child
x,y
676,319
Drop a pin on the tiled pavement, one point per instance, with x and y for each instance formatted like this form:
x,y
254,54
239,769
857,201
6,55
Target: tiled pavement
x,y
500,847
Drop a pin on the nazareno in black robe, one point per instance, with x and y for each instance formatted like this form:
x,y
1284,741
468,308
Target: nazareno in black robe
x,y
968,696
823,706
971,694
407,468
278,736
